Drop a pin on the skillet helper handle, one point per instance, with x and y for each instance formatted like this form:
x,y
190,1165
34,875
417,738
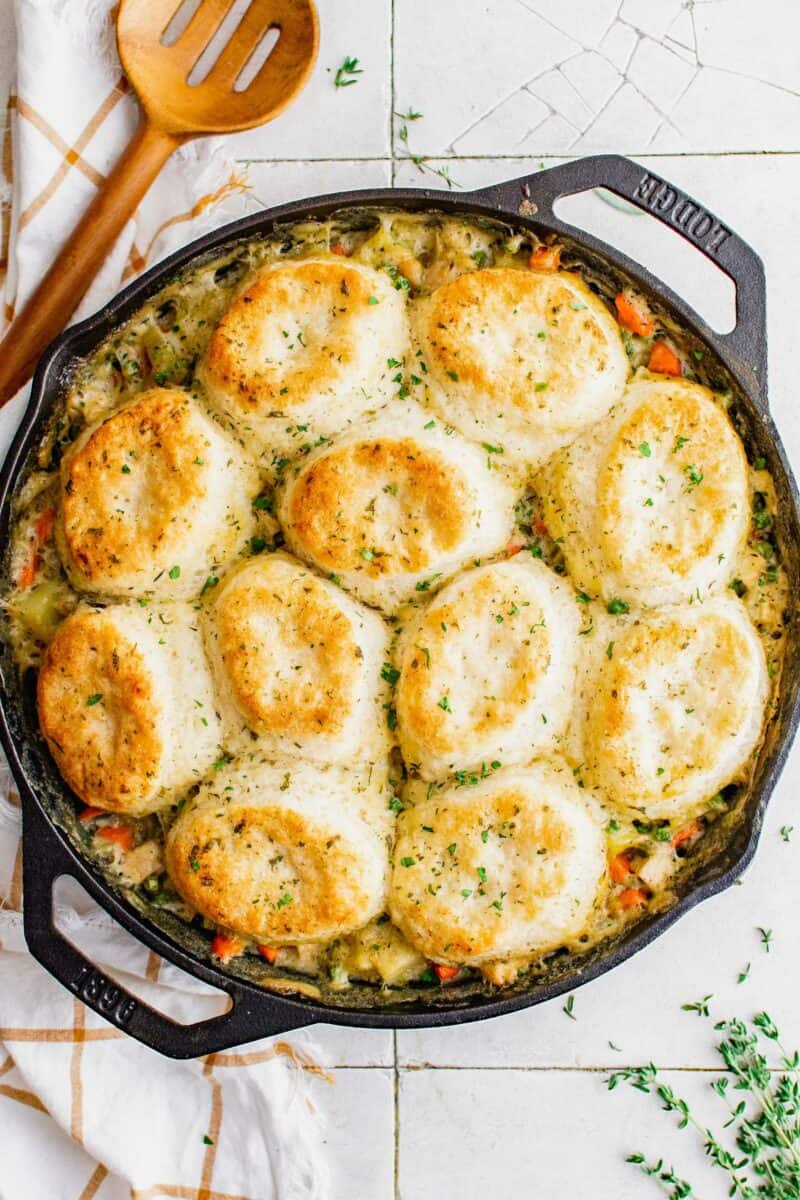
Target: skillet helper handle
x,y
57,296
535,196
44,860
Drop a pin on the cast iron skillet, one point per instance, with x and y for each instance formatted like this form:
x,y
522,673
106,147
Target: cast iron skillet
x,y
739,360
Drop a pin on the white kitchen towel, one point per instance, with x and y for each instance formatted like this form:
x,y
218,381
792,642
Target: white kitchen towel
x,y
86,1112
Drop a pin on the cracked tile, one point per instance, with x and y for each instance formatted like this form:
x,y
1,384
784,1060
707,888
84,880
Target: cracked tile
x,y
653,17
626,124
507,125
764,48
586,23
558,92
458,64
593,77
681,31
659,74
726,112
553,136
619,44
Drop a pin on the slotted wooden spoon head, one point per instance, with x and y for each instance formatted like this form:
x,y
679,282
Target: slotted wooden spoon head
x,y
159,73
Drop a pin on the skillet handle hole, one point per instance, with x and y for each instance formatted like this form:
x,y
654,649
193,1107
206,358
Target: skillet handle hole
x,y
656,247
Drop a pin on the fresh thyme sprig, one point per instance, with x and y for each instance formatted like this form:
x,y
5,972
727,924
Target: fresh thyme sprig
x,y
420,161
345,76
677,1188
765,1123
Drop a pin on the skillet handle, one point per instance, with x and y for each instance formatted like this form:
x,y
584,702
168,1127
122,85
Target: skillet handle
x,y
44,860
535,195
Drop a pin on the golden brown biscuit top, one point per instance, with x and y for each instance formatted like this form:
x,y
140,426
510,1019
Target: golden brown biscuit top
x,y
98,709
673,483
130,490
383,507
295,332
440,698
523,340
289,651
268,870
673,700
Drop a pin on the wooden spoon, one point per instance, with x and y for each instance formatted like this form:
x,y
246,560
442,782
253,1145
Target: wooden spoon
x,y
172,112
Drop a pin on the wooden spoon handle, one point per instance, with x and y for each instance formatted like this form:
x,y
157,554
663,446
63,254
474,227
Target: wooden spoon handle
x,y
57,296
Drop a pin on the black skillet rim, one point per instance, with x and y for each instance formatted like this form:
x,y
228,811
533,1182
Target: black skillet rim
x,y
527,202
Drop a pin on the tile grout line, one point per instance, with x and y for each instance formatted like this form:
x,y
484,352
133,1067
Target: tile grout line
x,y
622,1064
456,158
391,101
396,1122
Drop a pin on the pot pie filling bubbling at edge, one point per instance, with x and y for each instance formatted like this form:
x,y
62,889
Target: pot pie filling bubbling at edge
x,y
160,347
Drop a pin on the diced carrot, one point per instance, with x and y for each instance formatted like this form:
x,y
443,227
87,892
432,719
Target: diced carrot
x,y
687,834
663,360
120,835
632,898
44,525
514,545
225,946
27,576
633,318
91,814
338,248
545,258
620,868
539,527
444,972
270,953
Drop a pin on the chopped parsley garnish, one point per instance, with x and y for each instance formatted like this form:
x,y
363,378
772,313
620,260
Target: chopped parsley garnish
x,y
285,899
95,698
615,607
210,582
390,673
174,572
644,449
444,704
407,862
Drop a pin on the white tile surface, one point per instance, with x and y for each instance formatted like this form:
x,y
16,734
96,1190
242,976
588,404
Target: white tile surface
x,y
358,1109
697,92
542,1134
280,182
330,122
